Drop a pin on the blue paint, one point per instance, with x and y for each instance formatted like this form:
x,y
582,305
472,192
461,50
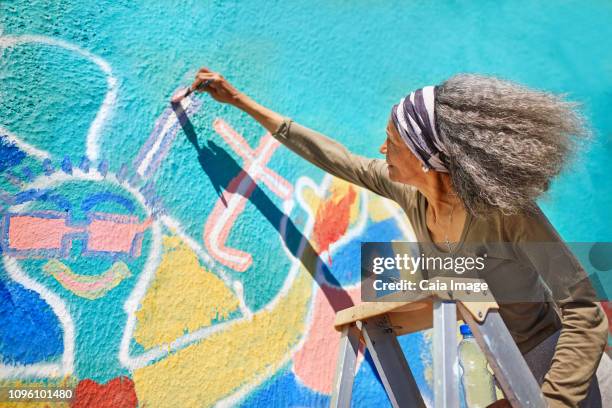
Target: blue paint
x,y
135,180
60,201
13,179
10,154
7,198
29,330
152,200
29,195
48,167
284,390
123,172
67,165
103,167
27,173
368,390
56,114
84,165
97,332
346,262
309,74
89,202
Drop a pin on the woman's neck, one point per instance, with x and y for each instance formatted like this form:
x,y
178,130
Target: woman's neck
x,y
440,195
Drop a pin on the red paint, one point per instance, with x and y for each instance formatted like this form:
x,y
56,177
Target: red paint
x,y
332,219
117,393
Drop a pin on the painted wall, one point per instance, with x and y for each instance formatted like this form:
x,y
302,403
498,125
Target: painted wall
x,y
147,261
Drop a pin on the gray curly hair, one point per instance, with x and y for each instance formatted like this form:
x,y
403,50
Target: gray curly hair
x,y
505,142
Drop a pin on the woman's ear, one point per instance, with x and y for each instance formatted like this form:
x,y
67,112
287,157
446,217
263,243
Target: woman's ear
x,y
383,147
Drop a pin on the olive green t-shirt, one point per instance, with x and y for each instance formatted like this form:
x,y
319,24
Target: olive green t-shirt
x,y
521,269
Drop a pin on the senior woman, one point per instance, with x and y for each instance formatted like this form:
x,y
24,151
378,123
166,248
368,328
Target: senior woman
x,y
466,160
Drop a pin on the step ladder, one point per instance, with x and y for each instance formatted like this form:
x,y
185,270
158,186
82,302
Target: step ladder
x,y
378,324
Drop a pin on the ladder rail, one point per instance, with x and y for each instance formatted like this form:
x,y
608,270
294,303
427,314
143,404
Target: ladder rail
x,y
445,363
379,324
390,362
514,376
345,369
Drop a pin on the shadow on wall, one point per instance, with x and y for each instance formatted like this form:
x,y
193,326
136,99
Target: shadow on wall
x,y
221,168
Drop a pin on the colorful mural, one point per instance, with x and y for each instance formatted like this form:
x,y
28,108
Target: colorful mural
x,y
180,256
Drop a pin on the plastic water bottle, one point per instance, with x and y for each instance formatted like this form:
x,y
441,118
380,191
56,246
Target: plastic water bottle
x,y
477,381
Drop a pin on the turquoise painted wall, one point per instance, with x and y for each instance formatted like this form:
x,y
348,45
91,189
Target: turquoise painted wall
x,y
141,263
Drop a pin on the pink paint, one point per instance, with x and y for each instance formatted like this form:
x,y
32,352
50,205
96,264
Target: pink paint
x,y
226,210
114,233
77,286
221,221
277,184
48,231
33,232
315,363
332,219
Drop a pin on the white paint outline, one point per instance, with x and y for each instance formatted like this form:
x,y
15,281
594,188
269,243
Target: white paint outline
x,y
234,398
301,184
148,273
170,122
60,309
26,147
253,172
108,104
59,306
156,353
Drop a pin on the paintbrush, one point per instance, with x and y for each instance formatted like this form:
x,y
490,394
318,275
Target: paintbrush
x,y
185,92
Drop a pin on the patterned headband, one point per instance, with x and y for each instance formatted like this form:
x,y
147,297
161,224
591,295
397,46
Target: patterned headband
x,y
413,117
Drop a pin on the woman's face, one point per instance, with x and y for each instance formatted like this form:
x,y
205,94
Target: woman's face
x,y
404,167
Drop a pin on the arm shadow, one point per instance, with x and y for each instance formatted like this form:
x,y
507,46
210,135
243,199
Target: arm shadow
x,y
221,168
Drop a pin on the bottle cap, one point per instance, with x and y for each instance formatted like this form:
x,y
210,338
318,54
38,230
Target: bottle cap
x,y
465,330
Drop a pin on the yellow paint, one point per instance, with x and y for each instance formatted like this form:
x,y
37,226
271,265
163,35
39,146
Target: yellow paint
x,y
219,365
66,382
339,188
79,284
377,209
182,298
312,200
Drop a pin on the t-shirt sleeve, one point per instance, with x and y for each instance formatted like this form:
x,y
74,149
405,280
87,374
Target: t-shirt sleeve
x,y
337,160
584,324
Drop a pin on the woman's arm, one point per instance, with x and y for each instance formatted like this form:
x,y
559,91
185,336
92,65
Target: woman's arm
x,y
584,328
222,91
318,149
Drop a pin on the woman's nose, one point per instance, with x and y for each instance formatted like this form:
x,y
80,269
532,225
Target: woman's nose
x,y
383,148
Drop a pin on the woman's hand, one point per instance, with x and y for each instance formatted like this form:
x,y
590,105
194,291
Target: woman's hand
x,y
222,91
217,86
